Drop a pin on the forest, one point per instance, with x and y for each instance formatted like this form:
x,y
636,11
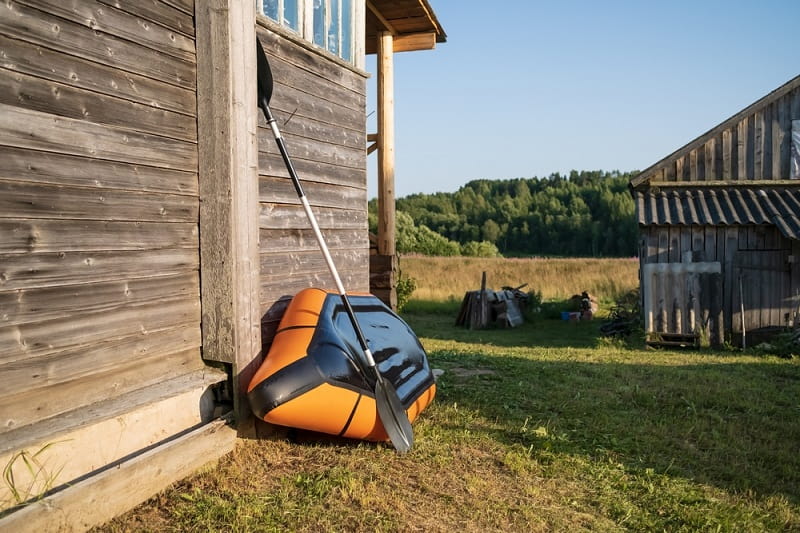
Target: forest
x,y
582,214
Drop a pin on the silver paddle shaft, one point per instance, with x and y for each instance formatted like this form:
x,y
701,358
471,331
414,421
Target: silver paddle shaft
x,y
322,245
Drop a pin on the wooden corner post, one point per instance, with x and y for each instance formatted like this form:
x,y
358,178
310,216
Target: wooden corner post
x,y
228,174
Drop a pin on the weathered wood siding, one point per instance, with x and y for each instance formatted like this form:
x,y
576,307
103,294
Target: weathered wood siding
x,y
754,144
99,290
320,107
764,259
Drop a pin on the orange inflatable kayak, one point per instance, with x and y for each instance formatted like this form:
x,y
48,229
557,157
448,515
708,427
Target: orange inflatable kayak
x,y
314,376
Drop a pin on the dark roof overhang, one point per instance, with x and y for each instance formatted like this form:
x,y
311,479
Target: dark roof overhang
x,y
721,206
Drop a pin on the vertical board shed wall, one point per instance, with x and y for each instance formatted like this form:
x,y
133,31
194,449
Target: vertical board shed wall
x,y
320,108
761,255
99,290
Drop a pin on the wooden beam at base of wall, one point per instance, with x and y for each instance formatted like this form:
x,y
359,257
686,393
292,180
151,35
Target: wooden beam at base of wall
x,y
87,503
228,175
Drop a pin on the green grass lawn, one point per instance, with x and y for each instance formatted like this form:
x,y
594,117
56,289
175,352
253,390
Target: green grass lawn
x,y
544,427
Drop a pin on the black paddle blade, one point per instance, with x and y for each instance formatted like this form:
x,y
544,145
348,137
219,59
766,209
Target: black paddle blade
x,y
392,415
264,75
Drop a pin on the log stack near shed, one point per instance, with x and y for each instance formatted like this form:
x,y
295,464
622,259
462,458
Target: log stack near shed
x,y
486,308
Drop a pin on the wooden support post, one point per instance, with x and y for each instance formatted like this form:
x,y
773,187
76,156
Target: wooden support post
x,y
385,144
228,174
386,208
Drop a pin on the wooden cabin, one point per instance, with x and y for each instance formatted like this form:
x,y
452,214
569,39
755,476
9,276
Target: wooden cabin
x,y
720,229
148,230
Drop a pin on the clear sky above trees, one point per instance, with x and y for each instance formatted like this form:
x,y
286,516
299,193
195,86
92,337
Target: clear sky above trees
x,y
525,88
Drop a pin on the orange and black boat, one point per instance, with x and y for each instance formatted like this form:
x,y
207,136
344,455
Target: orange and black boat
x,y
314,376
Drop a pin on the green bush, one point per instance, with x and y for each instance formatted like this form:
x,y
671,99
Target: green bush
x,y
405,288
480,249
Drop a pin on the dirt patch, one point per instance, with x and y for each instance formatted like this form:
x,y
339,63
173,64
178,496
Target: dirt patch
x,y
469,372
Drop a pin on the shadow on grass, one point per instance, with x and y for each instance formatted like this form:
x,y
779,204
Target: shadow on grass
x,y
731,425
537,332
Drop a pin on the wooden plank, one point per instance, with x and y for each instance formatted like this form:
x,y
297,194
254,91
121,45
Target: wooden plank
x,y
758,145
743,140
37,405
694,166
82,329
386,142
62,236
686,243
698,243
750,158
289,99
727,150
408,42
651,234
307,58
663,245
281,191
781,139
313,85
51,370
294,124
767,155
20,164
26,200
187,6
111,21
679,170
23,128
28,271
313,150
159,12
53,98
271,165
99,498
25,306
717,316
57,66
710,244
296,240
228,173
674,244
354,281
710,160
278,267
281,216
31,25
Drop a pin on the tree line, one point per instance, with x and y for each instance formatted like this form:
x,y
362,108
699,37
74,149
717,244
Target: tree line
x,y
582,214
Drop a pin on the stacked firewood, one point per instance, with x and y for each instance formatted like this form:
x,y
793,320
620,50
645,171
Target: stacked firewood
x,y
487,308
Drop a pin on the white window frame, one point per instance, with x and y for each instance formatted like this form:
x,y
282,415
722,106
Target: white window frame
x,y
305,25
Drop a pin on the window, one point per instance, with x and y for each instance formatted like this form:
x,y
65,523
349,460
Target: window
x,y
329,24
286,12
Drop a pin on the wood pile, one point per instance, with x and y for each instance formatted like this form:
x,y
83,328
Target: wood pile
x,y
486,308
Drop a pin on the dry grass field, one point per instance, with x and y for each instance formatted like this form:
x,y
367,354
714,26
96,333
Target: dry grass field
x,y
441,279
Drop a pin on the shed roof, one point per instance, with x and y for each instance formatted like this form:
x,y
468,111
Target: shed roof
x,y
779,206
730,124
413,24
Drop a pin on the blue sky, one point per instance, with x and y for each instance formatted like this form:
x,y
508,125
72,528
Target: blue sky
x,y
526,88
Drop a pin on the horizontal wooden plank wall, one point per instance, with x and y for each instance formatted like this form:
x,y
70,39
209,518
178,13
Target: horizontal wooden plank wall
x,y
320,107
754,144
99,285
761,255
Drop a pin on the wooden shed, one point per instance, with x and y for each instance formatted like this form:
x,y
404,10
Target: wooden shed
x,y
720,229
149,235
